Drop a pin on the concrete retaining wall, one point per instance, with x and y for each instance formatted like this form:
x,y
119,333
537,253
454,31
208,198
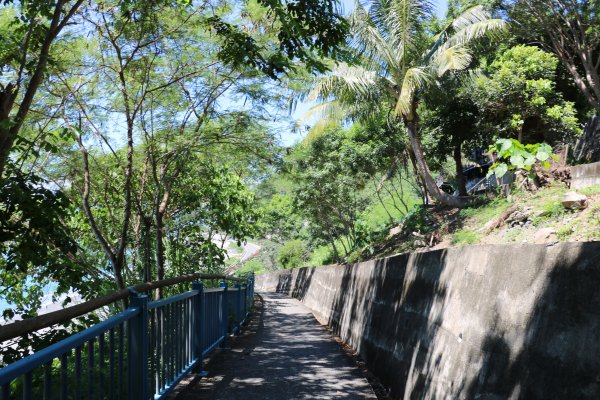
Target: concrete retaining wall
x,y
478,322
585,175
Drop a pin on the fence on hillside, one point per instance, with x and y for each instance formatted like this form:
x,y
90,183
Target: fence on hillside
x,y
140,353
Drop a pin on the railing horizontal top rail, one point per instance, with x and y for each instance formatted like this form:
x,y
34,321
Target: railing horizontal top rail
x,y
20,328
172,299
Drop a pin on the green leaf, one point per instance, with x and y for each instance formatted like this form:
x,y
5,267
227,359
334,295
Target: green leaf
x,y
529,160
501,170
503,145
546,164
517,160
542,156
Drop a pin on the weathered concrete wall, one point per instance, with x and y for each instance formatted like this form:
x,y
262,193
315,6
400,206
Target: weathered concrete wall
x,y
479,322
585,175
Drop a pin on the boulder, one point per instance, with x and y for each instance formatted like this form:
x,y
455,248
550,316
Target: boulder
x,y
545,235
574,200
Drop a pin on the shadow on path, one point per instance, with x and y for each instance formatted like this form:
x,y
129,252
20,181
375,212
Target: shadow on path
x,y
286,355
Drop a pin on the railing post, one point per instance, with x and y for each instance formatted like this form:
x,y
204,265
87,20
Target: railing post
x,y
246,288
199,327
198,320
251,289
225,311
138,349
238,307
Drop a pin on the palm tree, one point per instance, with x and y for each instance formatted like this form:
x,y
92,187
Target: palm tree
x,y
399,59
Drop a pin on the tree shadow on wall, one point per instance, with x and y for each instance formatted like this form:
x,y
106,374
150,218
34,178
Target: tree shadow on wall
x,y
392,314
396,310
296,282
560,358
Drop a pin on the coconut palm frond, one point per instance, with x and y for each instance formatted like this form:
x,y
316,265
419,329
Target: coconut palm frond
x,y
345,80
329,110
475,30
403,18
368,38
414,79
451,59
318,130
471,24
470,16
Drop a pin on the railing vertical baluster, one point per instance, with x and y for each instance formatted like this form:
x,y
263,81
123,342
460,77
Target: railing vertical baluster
x,y
225,312
245,301
169,338
27,380
120,359
91,369
111,363
188,335
151,349
48,380
181,335
198,328
252,289
163,347
64,363
138,350
177,338
184,325
78,373
238,308
101,366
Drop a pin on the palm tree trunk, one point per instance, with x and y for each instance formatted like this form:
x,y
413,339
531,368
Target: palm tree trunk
x,y
460,176
423,169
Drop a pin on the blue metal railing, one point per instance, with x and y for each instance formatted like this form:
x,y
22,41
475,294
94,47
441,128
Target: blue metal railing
x,y
140,353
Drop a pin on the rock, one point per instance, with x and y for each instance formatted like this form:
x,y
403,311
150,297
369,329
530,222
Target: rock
x,y
420,243
574,200
519,217
542,213
395,231
545,235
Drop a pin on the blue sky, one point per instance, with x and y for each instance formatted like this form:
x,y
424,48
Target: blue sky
x,y
440,6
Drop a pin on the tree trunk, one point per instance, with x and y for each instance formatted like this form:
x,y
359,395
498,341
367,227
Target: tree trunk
x,y
420,184
425,173
160,251
460,176
146,245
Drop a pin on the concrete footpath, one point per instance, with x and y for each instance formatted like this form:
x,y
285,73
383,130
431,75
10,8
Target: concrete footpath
x,y
284,354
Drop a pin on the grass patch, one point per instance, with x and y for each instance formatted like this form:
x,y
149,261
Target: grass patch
x,y
485,211
564,232
465,237
590,191
549,209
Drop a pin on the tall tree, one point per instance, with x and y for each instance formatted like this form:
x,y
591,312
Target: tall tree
x,y
25,45
400,60
571,30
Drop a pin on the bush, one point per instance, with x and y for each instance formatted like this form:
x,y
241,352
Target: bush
x,y
292,254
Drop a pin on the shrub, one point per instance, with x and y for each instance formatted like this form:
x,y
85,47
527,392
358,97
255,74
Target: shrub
x,y
292,254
